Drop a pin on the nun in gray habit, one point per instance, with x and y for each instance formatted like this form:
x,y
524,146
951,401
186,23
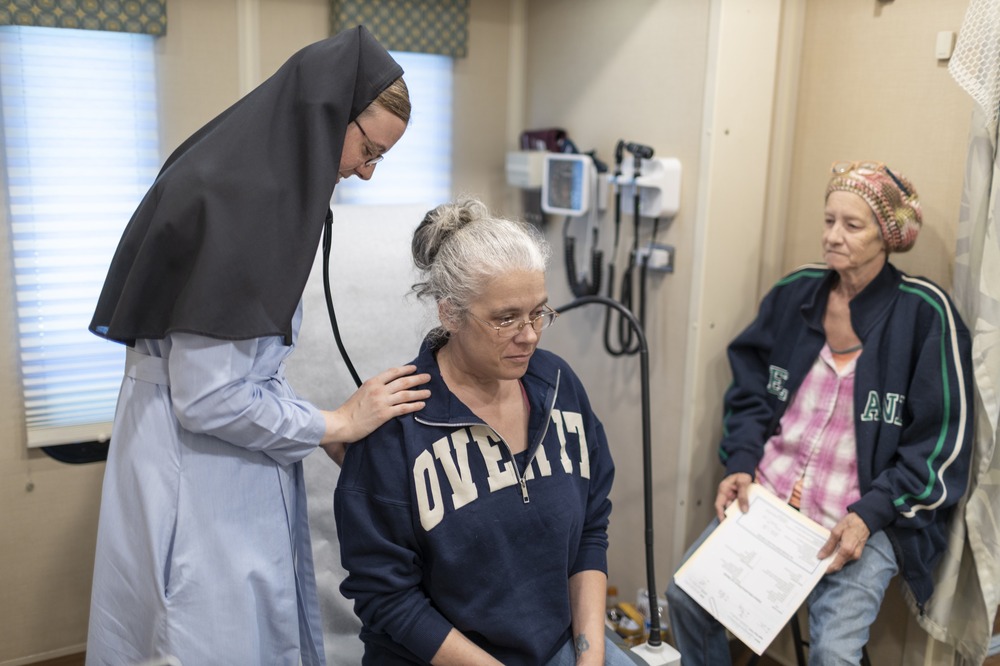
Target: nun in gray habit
x,y
203,548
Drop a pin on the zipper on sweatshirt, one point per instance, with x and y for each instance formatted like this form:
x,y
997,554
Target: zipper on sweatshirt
x,y
524,485
510,454
525,498
517,470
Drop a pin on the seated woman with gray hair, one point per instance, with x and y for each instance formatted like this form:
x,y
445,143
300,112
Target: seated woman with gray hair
x,y
851,401
474,531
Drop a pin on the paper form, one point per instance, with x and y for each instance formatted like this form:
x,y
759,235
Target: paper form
x,y
755,570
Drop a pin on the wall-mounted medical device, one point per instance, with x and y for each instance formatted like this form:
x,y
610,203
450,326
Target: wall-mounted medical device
x,y
568,184
659,183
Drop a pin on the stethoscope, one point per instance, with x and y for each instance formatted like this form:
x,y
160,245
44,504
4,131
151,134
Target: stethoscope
x,y
327,243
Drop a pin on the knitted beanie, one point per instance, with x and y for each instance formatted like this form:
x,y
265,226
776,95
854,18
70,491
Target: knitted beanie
x,y
891,196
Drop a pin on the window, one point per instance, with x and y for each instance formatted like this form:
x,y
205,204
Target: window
x,y
80,142
80,148
418,168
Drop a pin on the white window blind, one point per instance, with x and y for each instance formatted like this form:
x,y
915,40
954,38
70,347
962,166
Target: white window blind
x,y
418,168
80,142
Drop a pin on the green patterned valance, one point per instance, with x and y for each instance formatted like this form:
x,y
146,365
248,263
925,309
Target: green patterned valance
x,y
142,16
419,26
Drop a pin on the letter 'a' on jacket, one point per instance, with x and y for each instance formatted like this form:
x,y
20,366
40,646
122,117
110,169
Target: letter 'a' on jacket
x,y
912,401
439,529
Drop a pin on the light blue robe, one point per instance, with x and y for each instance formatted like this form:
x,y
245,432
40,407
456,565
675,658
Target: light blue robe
x,y
203,548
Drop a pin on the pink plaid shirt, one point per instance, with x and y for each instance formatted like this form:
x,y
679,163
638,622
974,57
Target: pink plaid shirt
x,y
816,444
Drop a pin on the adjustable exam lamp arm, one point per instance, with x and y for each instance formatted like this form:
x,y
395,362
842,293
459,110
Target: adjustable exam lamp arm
x,y
647,461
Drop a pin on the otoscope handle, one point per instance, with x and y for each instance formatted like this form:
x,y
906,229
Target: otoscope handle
x,y
639,150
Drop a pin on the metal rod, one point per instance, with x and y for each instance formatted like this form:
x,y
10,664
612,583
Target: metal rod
x,y
655,638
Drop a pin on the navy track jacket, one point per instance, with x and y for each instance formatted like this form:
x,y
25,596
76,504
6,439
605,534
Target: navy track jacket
x,y
912,401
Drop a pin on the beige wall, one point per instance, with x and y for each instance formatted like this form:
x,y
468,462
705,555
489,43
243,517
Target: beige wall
x,y
755,97
871,88
480,111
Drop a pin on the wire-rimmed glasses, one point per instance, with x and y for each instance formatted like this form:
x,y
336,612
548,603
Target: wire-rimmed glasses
x,y
510,327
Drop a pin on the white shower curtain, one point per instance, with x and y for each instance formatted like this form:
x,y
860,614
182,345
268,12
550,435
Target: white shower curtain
x,y
967,586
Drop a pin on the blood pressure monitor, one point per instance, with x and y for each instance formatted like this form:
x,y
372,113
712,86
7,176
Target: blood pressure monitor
x,y
567,184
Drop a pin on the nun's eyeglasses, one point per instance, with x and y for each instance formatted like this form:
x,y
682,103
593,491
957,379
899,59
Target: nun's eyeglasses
x,y
369,147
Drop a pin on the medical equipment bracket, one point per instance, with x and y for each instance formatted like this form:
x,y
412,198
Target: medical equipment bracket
x,y
659,185
655,637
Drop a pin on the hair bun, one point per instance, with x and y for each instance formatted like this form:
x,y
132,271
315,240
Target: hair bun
x,y
440,225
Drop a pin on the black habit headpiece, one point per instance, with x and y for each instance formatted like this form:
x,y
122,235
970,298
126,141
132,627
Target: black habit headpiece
x,y
223,242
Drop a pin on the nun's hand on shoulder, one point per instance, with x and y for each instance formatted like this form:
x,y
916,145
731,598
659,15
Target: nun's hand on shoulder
x,y
387,395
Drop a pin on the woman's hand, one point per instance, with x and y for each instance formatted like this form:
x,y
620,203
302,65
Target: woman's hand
x,y
733,487
386,395
847,539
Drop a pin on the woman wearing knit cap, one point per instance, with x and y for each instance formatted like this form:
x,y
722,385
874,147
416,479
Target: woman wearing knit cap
x,y
203,548
851,400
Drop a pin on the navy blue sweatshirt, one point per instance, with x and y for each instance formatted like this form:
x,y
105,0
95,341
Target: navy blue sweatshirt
x,y
912,401
440,528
